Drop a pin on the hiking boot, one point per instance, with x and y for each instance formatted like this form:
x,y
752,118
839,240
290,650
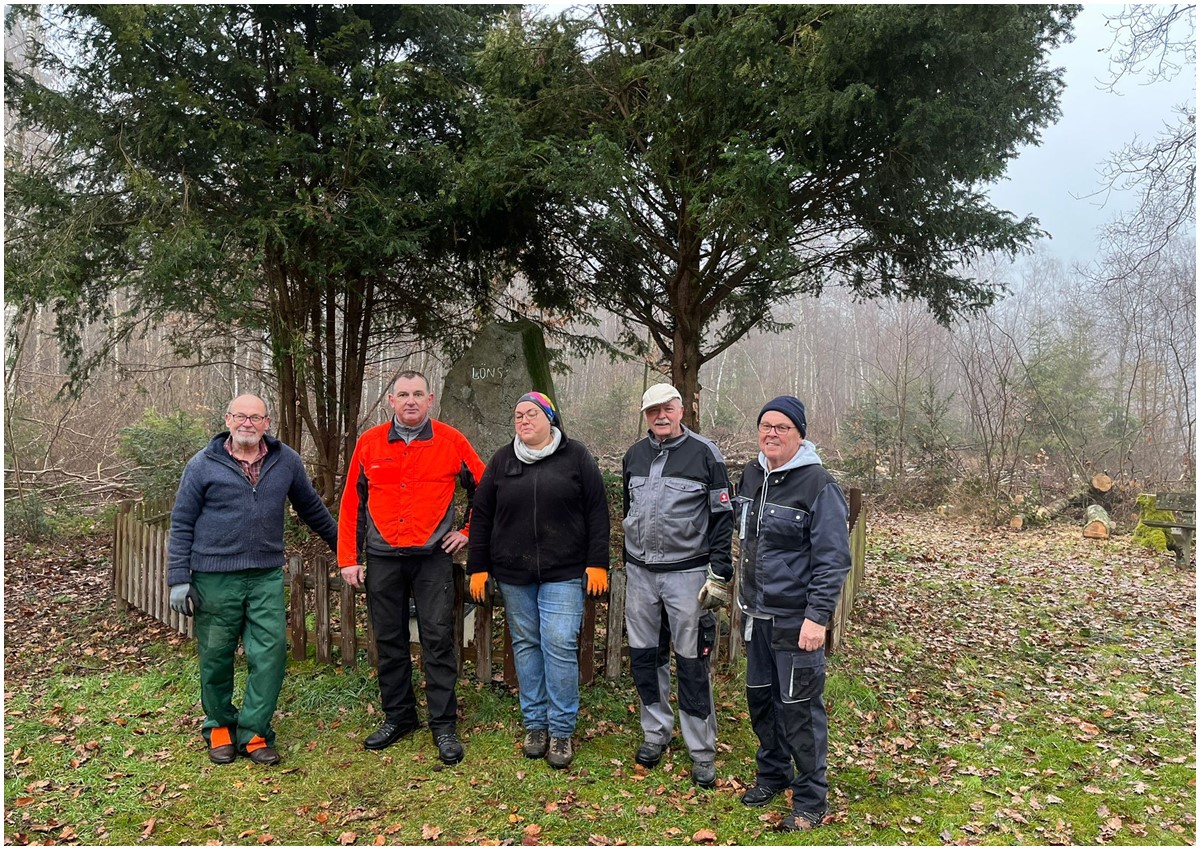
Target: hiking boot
x,y
800,822
648,754
759,795
560,753
704,773
537,741
389,733
450,751
220,746
259,753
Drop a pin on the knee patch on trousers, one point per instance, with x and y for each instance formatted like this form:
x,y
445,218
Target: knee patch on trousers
x,y
643,664
761,702
694,696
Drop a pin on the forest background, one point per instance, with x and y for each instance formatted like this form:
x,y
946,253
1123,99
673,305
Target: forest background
x,y
174,238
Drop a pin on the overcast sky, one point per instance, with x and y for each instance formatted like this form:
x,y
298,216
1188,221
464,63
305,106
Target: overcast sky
x,y
1054,180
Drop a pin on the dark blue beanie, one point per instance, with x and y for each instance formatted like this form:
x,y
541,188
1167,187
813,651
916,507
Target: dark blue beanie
x,y
789,406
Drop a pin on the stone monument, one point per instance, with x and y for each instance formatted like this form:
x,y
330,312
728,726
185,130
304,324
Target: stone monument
x,y
507,360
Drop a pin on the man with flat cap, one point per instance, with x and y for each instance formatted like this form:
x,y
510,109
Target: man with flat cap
x,y
794,556
678,527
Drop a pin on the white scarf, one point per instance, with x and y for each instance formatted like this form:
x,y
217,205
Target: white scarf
x,y
528,455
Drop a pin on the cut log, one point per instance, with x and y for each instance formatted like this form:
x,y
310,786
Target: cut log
x,y
1101,483
1097,526
1016,523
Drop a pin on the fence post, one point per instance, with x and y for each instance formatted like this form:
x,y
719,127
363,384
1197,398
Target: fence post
x,y
121,555
160,607
483,641
858,536
587,640
736,619
299,627
616,624
321,610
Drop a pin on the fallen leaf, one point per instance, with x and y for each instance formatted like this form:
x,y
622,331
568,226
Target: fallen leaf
x,y
347,837
430,832
704,836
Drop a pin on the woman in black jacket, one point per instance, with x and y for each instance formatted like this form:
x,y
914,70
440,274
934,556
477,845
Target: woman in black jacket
x,y
540,525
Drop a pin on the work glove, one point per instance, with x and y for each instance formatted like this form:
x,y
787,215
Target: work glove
x,y
597,580
715,592
184,600
479,586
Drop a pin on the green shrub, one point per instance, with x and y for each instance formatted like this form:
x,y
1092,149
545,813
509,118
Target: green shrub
x,y
161,446
26,516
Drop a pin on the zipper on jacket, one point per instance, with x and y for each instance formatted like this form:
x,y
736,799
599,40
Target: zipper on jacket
x,y
762,505
537,545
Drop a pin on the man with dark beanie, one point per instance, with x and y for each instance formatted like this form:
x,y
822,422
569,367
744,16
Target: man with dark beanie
x,y
794,556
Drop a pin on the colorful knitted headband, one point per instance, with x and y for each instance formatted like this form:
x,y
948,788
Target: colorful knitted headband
x,y
544,402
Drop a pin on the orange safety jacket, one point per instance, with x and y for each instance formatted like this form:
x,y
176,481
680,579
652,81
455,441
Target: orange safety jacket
x,y
399,497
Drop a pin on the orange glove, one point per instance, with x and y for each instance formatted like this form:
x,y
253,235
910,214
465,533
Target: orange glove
x,y
597,580
478,586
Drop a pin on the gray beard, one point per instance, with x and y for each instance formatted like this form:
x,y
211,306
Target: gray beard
x,y
246,442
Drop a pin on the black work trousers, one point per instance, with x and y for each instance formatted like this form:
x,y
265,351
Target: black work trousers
x,y
428,581
785,689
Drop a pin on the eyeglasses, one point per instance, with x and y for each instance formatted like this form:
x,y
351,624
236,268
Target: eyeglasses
x,y
529,415
781,430
255,418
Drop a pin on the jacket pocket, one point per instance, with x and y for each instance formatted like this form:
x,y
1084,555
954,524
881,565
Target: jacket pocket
x,y
785,527
635,543
807,679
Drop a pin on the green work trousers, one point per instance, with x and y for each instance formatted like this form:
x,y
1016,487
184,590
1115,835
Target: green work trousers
x,y
245,605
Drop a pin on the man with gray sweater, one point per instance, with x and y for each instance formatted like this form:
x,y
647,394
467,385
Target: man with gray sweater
x,y
225,566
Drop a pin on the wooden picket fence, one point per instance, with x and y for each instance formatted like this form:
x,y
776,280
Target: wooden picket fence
x,y
331,616
140,534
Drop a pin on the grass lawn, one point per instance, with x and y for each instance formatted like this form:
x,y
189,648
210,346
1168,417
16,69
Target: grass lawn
x,y
994,688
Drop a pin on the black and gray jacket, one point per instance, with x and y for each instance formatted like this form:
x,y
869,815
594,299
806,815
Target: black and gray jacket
x,y
678,514
795,543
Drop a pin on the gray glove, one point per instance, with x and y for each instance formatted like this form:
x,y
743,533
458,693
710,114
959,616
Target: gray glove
x,y
184,599
715,592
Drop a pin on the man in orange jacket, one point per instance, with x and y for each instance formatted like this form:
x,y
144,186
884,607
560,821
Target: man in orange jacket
x,y
397,519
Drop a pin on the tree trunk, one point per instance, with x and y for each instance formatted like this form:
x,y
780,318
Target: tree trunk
x,y
1097,526
685,375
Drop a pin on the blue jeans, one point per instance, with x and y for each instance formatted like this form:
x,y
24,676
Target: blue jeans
x,y
544,621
